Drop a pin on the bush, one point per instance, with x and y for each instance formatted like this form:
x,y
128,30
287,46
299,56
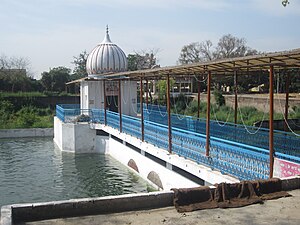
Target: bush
x,y
219,98
26,117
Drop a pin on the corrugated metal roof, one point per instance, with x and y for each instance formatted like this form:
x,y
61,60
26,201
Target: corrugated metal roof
x,y
280,60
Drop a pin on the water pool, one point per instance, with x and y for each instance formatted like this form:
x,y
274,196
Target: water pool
x,y
35,170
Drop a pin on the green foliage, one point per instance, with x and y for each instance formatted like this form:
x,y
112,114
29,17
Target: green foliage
x,y
26,117
162,90
6,110
55,79
80,66
132,62
180,104
142,60
192,110
219,98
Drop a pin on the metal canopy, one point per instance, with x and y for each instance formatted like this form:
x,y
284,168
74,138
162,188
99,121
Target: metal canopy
x,y
279,60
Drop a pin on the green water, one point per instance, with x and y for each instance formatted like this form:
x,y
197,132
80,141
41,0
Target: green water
x,y
35,170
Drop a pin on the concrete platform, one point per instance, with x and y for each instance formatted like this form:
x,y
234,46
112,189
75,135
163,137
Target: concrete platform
x,y
279,211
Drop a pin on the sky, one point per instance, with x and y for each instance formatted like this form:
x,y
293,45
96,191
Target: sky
x,y
49,33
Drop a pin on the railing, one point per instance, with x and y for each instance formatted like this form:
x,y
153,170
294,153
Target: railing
x,y
284,142
240,159
67,112
231,158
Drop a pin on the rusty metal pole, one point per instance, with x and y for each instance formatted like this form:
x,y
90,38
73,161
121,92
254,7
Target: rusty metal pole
x,y
199,89
235,97
147,90
271,131
286,113
120,106
105,106
169,113
142,108
208,114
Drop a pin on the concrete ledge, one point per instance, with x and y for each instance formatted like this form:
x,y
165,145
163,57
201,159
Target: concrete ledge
x,y
290,183
91,206
6,216
82,207
32,132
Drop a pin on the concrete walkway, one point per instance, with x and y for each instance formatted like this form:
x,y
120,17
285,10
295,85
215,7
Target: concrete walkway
x,y
280,211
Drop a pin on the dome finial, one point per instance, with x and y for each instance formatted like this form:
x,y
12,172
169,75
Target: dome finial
x,y
106,38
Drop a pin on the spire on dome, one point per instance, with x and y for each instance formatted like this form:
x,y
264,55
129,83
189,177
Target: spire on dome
x,y
106,38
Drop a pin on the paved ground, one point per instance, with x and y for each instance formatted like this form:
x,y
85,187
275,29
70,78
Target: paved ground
x,y
280,211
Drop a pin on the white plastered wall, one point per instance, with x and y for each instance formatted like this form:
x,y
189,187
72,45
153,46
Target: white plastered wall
x,y
91,95
129,97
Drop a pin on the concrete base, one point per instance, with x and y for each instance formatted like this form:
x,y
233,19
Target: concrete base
x,y
78,138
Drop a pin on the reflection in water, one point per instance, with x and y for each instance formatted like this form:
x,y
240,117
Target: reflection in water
x,y
34,170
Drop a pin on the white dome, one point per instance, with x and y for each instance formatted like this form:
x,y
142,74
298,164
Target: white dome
x,y
106,57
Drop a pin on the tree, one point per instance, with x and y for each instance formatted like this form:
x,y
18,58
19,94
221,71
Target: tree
x,y
14,75
227,47
56,78
142,60
162,90
230,47
196,52
46,81
80,66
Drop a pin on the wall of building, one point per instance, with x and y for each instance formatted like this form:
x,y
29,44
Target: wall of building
x,y
92,96
129,97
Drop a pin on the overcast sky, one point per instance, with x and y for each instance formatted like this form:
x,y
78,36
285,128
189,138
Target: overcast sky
x,y
50,32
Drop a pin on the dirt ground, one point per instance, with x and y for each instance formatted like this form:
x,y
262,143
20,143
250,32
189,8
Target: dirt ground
x,y
280,211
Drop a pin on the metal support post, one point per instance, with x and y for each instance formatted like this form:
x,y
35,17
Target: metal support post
x,y
105,106
208,114
286,113
169,113
120,106
271,129
141,107
235,97
199,90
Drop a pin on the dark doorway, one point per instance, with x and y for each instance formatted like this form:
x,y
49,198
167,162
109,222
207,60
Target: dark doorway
x,y
112,103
